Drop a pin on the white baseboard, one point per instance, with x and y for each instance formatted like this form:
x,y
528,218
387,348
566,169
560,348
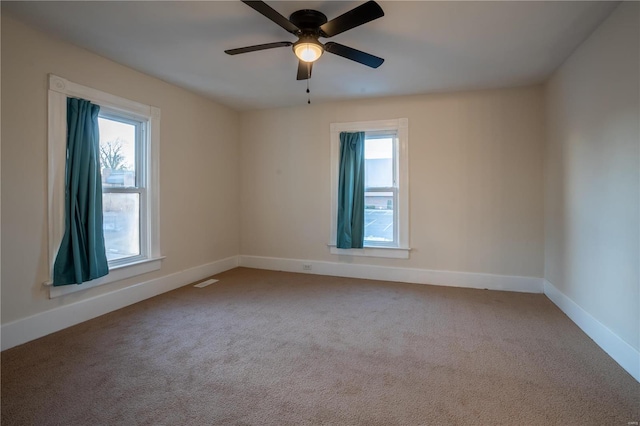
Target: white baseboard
x,y
622,352
35,326
406,275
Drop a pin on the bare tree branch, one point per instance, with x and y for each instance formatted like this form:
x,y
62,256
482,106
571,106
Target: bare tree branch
x,y
111,156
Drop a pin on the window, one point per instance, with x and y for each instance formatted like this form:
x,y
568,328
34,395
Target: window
x,y
386,228
129,142
381,190
123,187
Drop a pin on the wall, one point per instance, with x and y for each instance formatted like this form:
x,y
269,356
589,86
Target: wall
x,y
199,187
475,180
592,165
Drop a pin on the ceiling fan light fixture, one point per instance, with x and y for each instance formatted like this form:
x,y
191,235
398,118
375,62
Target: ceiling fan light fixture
x,y
308,50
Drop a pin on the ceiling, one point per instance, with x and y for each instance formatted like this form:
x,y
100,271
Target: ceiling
x,y
428,47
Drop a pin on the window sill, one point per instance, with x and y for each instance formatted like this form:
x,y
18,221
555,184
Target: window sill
x,y
389,252
116,273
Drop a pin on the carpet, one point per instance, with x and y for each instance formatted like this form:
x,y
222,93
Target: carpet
x,y
273,348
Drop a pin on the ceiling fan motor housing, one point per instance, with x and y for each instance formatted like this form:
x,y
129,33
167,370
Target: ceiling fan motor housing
x,y
308,21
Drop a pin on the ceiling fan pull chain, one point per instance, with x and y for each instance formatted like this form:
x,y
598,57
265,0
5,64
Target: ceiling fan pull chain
x,y
309,96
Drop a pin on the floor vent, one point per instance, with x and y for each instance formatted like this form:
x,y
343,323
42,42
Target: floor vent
x,y
206,283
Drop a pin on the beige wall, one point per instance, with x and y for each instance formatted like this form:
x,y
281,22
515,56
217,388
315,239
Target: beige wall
x,y
592,176
475,180
199,199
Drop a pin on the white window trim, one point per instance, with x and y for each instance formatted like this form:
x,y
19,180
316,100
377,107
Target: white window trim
x,y
59,90
401,126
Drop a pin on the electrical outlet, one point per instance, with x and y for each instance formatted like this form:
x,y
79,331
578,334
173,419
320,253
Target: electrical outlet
x,y
306,266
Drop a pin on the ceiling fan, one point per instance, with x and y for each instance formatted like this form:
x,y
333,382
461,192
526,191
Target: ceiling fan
x,y
309,25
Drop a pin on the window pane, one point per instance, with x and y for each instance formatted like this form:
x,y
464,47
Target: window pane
x,y
378,217
117,153
378,162
121,224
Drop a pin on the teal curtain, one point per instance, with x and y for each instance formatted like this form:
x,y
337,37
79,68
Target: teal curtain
x,y
351,191
81,256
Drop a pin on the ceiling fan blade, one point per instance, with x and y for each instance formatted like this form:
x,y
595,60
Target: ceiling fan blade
x,y
304,70
257,47
353,54
269,12
355,17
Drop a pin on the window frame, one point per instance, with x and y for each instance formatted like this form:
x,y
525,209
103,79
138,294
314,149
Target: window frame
x,y
401,128
59,90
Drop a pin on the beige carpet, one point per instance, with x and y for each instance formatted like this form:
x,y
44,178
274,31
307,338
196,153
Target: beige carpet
x,y
273,348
